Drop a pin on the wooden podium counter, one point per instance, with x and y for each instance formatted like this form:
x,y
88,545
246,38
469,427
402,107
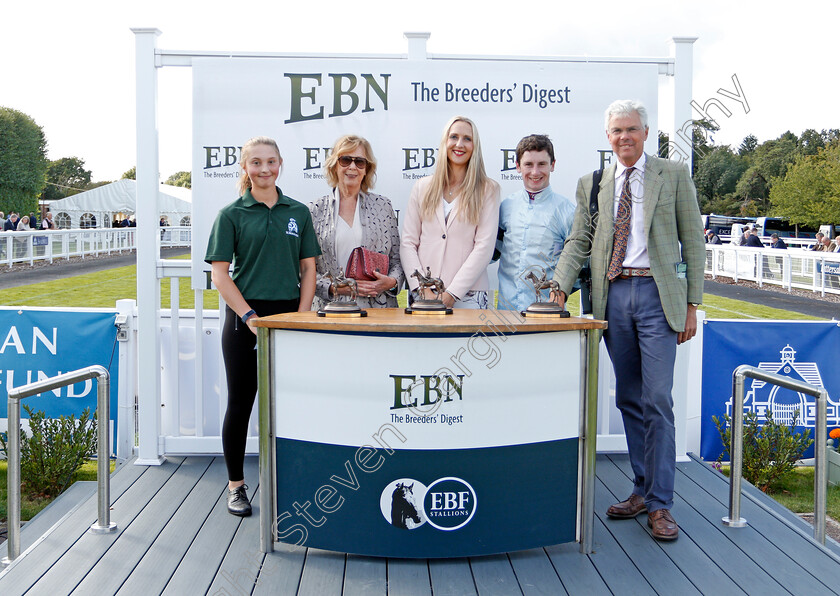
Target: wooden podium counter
x,y
426,435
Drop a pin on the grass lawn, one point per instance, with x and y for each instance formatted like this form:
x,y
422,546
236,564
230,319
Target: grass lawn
x,y
104,288
98,290
30,507
795,491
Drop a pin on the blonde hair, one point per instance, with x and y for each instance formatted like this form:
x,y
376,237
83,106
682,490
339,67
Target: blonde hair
x,y
244,182
343,146
472,188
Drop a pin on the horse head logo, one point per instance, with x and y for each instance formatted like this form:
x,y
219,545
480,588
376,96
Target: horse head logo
x,y
403,507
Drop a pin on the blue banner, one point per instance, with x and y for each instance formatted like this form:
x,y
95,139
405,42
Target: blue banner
x,y
804,351
427,502
39,344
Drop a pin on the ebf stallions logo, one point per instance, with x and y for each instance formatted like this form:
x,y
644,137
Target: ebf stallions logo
x,y
447,504
450,503
293,227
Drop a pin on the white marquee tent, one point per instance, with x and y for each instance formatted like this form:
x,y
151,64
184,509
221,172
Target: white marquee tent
x,y
97,208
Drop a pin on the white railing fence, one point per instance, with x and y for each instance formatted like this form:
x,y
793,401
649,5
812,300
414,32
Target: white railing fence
x,y
792,268
49,245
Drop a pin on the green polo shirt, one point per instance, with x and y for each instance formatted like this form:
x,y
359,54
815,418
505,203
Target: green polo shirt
x,y
265,245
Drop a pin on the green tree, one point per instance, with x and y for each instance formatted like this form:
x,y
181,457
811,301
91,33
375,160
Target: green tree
x,y
93,185
702,142
23,161
180,179
130,174
65,177
770,160
718,174
809,194
811,142
748,145
662,144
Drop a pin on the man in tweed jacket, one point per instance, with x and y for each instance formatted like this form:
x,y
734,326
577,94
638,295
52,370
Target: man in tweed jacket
x,y
649,301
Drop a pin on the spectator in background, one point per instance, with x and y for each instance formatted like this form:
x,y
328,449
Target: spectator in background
x,y
33,221
827,245
2,220
712,238
47,222
23,224
11,223
753,239
837,243
776,242
818,244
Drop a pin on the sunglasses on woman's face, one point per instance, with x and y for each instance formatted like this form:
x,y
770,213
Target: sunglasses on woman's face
x,y
346,160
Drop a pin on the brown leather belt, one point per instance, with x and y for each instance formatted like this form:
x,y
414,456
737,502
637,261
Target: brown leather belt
x,y
628,272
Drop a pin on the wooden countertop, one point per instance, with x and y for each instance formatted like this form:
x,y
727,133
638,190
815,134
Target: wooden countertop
x,y
394,320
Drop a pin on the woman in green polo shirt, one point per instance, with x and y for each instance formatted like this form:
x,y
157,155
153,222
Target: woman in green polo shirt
x,y
271,243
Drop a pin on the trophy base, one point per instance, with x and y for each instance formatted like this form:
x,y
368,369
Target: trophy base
x,y
428,307
545,309
342,309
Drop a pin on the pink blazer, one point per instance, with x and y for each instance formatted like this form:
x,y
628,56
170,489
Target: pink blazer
x,y
457,252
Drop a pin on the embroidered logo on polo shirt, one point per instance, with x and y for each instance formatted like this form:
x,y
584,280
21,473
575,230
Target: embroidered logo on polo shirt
x,y
293,228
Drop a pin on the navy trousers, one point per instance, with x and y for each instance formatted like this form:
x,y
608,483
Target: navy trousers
x,y
643,348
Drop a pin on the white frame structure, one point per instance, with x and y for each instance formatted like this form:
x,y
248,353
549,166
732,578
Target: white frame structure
x,y
677,67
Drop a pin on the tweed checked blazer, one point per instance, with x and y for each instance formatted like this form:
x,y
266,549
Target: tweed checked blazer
x,y
673,234
380,233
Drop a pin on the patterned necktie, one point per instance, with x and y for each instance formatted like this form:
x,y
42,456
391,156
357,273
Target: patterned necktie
x,y
621,227
532,195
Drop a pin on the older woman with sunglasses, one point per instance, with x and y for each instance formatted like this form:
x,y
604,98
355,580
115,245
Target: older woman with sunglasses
x,y
352,216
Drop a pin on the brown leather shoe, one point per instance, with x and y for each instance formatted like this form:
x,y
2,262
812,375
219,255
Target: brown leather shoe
x,y
663,525
633,506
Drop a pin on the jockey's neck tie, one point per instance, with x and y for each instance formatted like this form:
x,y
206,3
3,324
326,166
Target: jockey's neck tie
x,y
532,195
621,227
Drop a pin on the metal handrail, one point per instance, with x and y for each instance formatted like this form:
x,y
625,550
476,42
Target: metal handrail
x,y
103,524
736,448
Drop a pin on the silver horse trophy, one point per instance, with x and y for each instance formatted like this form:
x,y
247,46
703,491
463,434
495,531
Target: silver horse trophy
x,y
341,306
538,307
433,305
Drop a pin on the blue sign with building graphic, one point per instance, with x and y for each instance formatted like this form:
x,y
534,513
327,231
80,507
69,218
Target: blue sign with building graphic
x,y
803,350
38,344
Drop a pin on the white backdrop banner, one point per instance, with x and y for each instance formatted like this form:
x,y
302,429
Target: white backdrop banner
x,y
400,106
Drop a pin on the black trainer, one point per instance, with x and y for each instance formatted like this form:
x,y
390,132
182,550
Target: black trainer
x,y
237,501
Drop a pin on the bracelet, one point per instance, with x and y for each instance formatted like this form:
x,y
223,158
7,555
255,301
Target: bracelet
x,y
247,315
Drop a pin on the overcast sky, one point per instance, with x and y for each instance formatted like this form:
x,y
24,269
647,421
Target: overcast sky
x,y
70,65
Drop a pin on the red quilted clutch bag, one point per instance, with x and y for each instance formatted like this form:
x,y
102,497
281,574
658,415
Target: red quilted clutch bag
x,y
363,262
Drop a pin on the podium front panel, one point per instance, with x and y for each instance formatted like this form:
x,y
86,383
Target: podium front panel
x,y
426,445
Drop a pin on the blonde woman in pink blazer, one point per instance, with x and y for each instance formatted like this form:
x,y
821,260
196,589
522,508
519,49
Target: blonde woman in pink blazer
x,y
452,220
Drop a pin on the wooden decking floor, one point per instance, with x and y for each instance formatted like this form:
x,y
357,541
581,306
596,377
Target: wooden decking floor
x,y
176,537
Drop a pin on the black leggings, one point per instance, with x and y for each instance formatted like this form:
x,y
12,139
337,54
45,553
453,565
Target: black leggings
x,y
238,342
